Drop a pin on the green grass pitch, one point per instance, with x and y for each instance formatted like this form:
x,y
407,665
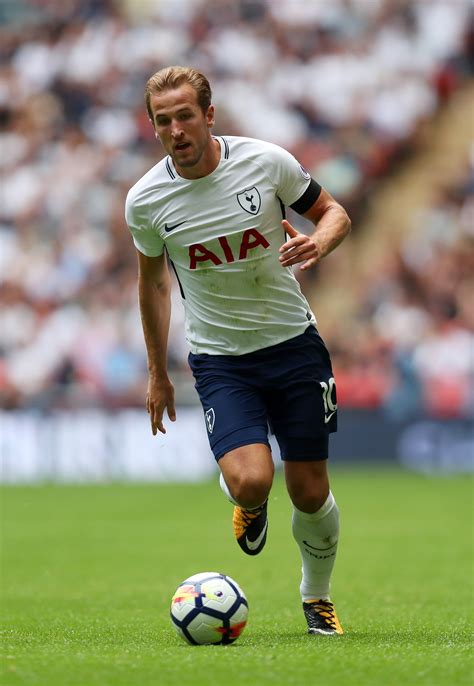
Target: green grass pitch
x,y
88,573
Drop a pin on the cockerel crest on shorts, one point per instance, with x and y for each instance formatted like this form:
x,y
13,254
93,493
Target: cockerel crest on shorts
x,y
210,419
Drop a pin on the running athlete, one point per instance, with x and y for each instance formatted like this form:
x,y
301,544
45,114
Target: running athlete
x,y
216,206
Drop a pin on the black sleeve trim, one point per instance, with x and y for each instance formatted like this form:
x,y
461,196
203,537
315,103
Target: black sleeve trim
x,y
177,278
308,198
282,208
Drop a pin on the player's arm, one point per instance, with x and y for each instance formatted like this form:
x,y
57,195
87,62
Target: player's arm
x,y
332,225
154,288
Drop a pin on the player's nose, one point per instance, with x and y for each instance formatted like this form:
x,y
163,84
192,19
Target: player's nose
x,y
176,130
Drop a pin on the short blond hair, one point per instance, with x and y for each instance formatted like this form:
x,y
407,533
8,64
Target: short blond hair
x,y
173,77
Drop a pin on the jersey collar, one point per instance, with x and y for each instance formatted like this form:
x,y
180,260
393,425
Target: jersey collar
x,y
225,152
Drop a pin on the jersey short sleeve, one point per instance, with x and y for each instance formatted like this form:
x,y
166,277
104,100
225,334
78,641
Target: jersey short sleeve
x,y
292,181
145,237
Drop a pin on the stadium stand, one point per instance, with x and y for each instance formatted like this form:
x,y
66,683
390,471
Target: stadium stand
x,y
348,87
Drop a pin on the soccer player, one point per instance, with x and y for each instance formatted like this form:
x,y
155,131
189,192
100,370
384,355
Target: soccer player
x,y
215,205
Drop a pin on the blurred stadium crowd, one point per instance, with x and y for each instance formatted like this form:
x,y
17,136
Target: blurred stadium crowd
x,y
344,85
410,346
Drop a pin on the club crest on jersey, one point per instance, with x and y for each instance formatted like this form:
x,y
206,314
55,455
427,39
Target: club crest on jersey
x,y
210,419
249,200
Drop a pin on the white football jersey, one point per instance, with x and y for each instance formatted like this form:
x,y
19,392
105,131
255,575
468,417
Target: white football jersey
x,y
222,233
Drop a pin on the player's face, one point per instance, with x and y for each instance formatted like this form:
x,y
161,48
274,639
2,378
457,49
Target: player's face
x,y
184,130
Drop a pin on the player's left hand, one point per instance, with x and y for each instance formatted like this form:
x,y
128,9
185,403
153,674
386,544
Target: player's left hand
x,y
300,248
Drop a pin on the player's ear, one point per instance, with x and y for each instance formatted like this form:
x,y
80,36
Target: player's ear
x,y
210,116
153,126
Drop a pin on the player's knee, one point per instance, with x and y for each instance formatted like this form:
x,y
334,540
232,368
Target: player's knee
x,y
310,497
307,484
251,490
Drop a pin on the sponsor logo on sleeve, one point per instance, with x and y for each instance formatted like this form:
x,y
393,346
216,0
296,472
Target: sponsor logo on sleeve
x,y
305,172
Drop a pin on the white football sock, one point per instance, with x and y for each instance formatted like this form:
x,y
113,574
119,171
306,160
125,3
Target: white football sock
x,y
317,535
225,489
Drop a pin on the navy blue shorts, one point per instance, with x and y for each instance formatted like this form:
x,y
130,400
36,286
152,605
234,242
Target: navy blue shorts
x,y
288,387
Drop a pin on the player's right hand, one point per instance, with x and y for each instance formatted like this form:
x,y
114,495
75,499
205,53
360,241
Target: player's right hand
x,y
160,395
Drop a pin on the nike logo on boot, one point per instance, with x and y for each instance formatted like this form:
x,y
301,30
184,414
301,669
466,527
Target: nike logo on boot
x,y
253,545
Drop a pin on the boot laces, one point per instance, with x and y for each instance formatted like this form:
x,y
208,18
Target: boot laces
x,y
325,609
244,518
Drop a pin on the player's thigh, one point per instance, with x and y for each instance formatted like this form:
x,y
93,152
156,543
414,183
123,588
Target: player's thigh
x,y
307,483
302,405
248,472
234,411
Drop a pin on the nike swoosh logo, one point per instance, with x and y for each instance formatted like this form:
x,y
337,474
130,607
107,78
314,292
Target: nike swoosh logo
x,y
168,227
253,545
326,419
312,546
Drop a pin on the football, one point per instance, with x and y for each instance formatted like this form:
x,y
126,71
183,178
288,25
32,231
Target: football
x,y
209,608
